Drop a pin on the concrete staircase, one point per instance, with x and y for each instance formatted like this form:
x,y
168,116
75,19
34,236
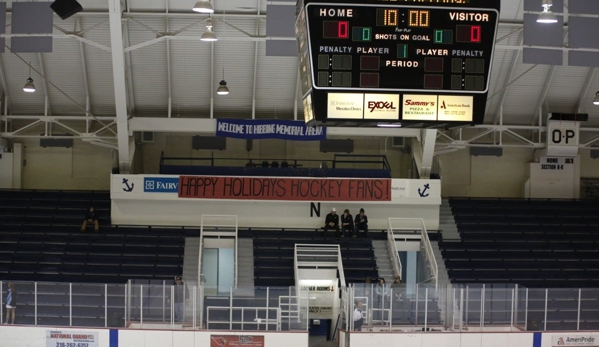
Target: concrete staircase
x,y
190,271
449,231
443,278
383,260
447,222
190,260
245,262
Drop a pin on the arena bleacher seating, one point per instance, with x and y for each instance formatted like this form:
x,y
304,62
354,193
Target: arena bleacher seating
x,y
41,241
534,243
274,253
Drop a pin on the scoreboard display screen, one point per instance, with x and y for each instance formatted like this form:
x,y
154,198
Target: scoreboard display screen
x,y
396,60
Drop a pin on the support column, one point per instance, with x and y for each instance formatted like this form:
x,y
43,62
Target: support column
x,y
429,138
120,89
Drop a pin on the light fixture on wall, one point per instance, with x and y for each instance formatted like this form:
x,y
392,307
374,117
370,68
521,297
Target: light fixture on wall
x,y
209,35
596,101
547,16
29,86
388,125
222,86
203,6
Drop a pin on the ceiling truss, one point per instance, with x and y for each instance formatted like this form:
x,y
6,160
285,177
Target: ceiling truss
x,y
114,131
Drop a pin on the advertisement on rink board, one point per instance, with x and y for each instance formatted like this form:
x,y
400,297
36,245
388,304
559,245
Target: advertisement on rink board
x,y
589,340
236,341
59,338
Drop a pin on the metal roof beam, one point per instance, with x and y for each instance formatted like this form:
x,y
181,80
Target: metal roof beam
x,y
255,76
129,73
168,63
508,77
543,96
120,88
4,84
208,126
585,90
85,80
54,117
47,105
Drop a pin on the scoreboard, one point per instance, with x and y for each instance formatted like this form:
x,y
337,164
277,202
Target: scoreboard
x,y
395,61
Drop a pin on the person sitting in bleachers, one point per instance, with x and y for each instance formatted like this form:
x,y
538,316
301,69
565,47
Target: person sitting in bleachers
x,y
91,218
361,223
331,222
347,224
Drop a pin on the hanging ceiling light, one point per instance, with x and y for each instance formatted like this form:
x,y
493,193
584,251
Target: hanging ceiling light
x,y
209,35
222,86
29,86
596,101
203,6
547,16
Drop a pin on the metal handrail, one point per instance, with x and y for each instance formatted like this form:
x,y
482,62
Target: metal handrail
x,y
397,266
430,255
256,321
379,159
312,250
425,243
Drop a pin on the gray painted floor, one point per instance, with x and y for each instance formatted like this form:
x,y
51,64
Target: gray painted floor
x,y
320,341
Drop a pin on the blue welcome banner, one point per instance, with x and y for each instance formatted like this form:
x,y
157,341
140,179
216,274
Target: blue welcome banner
x,y
269,129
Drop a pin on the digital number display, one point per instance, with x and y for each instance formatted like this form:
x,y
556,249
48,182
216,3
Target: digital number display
x,y
361,34
419,19
335,30
386,17
468,33
424,48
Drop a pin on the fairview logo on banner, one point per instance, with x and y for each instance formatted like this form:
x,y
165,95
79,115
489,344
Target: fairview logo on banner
x,y
269,129
294,189
575,340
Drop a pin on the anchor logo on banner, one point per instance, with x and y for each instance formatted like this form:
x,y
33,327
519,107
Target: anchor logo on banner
x,y
422,192
129,187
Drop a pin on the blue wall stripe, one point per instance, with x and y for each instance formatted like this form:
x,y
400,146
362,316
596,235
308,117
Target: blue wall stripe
x,y
536,339
114,338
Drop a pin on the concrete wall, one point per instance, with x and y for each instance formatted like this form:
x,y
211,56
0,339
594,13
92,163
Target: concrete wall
x,y
84,166
482,176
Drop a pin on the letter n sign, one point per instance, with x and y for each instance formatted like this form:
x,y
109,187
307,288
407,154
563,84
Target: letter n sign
x,y
563,138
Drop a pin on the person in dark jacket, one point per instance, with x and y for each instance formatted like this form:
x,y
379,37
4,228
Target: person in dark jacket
x,y
11,303
331,222
91,218
347,224
361,223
